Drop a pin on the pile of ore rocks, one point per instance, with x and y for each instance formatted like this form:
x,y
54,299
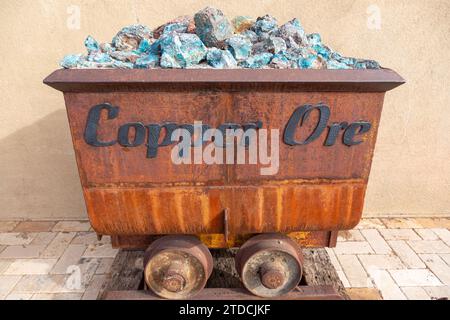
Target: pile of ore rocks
x,y
210,40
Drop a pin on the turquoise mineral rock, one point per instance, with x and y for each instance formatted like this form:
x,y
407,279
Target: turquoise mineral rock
x,y
181,50
130,37
209,40
71,61
264,26
240,46
99,57
276,45
336,65
213,27
314,39
257,61
221,59
147,61
91,44
367,64
311,62
292,32
280,61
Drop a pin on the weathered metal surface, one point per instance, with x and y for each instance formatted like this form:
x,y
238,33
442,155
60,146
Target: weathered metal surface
x,y
305,80
313,239
132,188
300,293
270,265
177,267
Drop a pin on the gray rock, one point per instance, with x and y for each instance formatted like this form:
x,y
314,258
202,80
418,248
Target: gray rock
x,y
213,27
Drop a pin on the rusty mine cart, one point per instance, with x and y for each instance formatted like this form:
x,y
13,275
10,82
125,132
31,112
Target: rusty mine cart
x,y
121,123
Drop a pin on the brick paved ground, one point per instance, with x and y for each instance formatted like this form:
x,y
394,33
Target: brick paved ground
x,y
381,259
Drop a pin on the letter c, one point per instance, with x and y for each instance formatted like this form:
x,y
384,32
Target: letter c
x,y
90,134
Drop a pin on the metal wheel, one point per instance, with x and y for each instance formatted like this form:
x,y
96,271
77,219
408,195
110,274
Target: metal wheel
x,y
177,267
270,265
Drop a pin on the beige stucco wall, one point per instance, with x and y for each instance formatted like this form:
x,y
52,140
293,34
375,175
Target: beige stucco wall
x,y
411,170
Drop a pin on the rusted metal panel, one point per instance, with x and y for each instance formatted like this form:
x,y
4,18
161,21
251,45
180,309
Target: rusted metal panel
x,y
305,239
118,165
252,209
132,188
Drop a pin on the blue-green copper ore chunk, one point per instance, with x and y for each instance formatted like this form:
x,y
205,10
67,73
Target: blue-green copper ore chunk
x,y
292,32
221,59
336,65
265,25
314,39
181,50
147,61
71,61
367,64
240,46
311,62
130,37
257,61
176,27
99,57
213,27
280,61
91,44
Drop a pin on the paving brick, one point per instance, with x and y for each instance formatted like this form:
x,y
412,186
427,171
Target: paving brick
x,y
400,223
15,239
415,278
353,247
4,264
406,254
100,251
371,224
46,284
30,266
443,234
425,246
376,241
415,293
22,252
387,286
350,235
7,283
446,257
399,234
58,245
384,262
70,257
89,238
57,296
343,279
34,226
105,265
19,296
364,294
43,238
8,226
437,266
427,234
355,273
70,226
433,222
88,267
438,292
95,288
